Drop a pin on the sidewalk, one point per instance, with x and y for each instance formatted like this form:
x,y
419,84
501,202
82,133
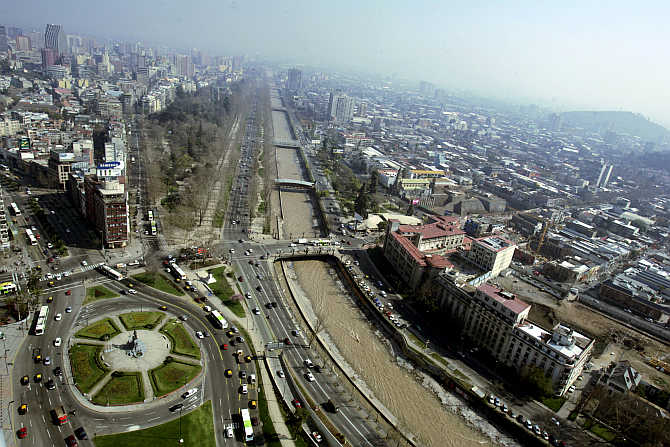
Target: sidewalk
x,y
276,416
14,336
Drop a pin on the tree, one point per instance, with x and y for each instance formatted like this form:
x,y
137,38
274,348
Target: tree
x,y
374,178
539,385
362,202
410,210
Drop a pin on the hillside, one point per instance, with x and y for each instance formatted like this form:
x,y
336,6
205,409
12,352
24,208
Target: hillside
x,y
619,122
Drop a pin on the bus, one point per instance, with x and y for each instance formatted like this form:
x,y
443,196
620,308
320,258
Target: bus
x,y
248,429
41,325
151,215
14,209
8,287
177,272
321,242
31,237
153,228
107,270
217,320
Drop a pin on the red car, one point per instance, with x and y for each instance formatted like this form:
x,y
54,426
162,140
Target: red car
x,y
68,292
22,433
240,279
224,346
287,341
296,403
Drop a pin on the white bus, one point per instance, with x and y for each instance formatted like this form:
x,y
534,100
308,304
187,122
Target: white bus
x,y
151,215
153,228
7,287
177,272
41,325
31,237
248,429
14,209
106,270
217,320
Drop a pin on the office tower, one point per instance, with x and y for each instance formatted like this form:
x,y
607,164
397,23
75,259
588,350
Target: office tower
x,y
603,168
294,80
362,109
3,39
55,39
49,57
607,176
23,43
340,107
183,65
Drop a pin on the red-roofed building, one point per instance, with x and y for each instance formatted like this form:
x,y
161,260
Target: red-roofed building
x,y
416,251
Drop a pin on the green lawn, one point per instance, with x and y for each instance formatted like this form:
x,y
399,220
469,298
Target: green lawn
x,y
197,430
222,289
126,389
86,366
170,376
141,320
555,403
182,342
98,293
99,330
158,281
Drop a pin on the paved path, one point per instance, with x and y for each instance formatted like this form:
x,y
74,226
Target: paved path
x,y
14,336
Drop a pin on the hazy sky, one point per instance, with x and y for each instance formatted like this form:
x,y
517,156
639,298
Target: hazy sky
x,y
606,54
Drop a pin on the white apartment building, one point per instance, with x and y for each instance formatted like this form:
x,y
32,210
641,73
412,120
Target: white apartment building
x,y
492,253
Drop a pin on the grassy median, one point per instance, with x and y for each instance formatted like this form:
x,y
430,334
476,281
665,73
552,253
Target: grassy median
x,y
159,282
182,342
122,389
141,320
197,430
104,329
86,365
224,292
172,375
98,293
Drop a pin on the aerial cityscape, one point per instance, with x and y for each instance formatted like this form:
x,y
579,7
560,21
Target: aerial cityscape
x,y
292,225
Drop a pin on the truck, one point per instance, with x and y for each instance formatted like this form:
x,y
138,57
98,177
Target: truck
x,y
59,415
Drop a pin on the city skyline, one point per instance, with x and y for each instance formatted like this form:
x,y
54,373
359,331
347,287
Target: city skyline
x,y
576,56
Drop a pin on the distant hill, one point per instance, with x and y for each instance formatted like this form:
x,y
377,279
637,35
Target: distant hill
x,y
619,122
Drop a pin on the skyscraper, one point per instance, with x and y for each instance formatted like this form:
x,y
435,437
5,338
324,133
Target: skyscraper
x,y
607,176
294,80
23,43
49,57
55,39
3,39
340,107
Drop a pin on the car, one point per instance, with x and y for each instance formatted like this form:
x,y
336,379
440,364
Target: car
x,y
229,429
572,389
256,311
555,422
287,341
229,373
296,403
240,279
22,432
295,332
58,371
58,316
230,333
310,377
545,435
224,346
247,295
247,359
132,291
68,310
176,407
68,292
189,393
239,339
280,374
23,408
273,304
243,375
308,363
537,430
317,436
47,361
25,380
84,263
244,389
504,408
51,385
254,421
183,317
253,404
199,335
234,329
81,433
207,309
50,299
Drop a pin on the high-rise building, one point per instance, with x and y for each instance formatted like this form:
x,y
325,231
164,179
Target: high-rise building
x,y
362,109
23,43
55,38
340,107
183,65
3,39
107,208
49,57
604,175
607,177
294,80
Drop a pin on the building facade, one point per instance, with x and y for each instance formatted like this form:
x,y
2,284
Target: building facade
x,y
107,210
492,253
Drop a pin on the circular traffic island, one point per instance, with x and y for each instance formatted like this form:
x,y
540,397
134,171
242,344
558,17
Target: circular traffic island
x,y
152,357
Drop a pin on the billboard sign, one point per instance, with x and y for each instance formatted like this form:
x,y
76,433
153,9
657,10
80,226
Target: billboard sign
x,y
24,144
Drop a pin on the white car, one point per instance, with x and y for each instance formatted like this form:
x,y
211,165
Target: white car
x,y
310,377
68,309
244,389
50,245
207,309
229,431
199,335
189,393
132,291
280,374
59,316
256,311
84,263
57,342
